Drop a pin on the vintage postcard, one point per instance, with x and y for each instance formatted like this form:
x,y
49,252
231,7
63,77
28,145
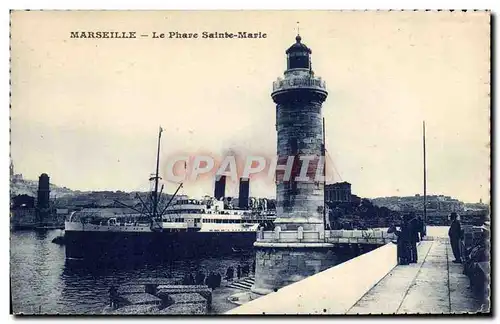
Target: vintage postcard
x,y
250,162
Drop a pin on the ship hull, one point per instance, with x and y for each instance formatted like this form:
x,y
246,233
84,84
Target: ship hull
x,y
156,246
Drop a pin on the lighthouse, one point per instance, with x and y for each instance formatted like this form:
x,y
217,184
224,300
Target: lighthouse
x,y
296,248
299,97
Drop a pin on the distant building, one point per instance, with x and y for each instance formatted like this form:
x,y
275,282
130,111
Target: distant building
x,y
23,201
13,176
435,203
220,187
338,192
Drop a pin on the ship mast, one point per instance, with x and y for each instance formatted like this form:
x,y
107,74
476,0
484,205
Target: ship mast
x,y
155,196
425,175
324,179
155,192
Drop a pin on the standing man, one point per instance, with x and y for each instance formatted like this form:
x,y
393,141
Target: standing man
x,y
238,271
455,234
421,227
403,242
414,229
113,297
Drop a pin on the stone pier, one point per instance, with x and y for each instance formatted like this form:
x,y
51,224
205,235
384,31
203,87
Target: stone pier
x,y
280,266
285,257
373,283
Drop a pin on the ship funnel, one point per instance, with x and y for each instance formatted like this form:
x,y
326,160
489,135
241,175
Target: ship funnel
x,y
244,193
220,187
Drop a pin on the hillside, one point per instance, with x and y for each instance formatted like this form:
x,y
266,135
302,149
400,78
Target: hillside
x,y
30,187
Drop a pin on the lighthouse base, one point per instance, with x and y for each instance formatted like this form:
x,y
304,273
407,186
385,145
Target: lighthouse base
x,y
281,264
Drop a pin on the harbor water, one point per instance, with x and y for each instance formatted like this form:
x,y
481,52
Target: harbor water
x,y
44,282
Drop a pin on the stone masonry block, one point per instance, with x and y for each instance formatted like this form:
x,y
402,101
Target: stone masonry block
x,y
356,234
346,234
333,239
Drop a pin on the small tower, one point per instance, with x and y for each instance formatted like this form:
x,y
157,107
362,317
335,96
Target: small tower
x,y
43,199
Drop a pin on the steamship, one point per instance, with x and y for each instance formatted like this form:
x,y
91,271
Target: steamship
x,y
179,228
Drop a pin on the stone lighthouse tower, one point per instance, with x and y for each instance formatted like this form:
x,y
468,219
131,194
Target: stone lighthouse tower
x,y
296,248
298,98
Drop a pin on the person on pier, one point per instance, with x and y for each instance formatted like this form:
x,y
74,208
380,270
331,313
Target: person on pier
x,y
113,297
421,227
403,242
455,234
414,237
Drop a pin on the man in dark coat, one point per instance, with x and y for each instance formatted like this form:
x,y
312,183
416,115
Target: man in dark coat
x,y
414,230
421,228
455,234
403,242
113,297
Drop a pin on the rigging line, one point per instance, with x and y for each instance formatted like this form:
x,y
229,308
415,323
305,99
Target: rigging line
x,y
133,208
161,191
334,167
159,199
171,198
144,206
150,199
337,171
162,201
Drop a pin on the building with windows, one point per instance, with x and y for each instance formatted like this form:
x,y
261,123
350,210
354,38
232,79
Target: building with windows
x,y
338,192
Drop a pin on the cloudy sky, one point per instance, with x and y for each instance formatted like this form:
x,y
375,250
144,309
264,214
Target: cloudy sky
x,y
86,111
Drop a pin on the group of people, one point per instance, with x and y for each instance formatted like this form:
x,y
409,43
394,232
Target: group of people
x,y
213,279
241,271
411,231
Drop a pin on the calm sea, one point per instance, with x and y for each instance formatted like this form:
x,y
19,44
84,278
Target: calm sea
x,y
42,281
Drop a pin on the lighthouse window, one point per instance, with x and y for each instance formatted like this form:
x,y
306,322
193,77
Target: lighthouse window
x,y
298,61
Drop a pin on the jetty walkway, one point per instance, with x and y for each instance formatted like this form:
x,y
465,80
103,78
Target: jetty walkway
x,y
433,285
374,284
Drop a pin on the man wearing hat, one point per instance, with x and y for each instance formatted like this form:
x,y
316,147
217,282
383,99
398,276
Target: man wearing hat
x,y
455,234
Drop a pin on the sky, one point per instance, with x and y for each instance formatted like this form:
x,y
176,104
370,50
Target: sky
x,y
87,111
